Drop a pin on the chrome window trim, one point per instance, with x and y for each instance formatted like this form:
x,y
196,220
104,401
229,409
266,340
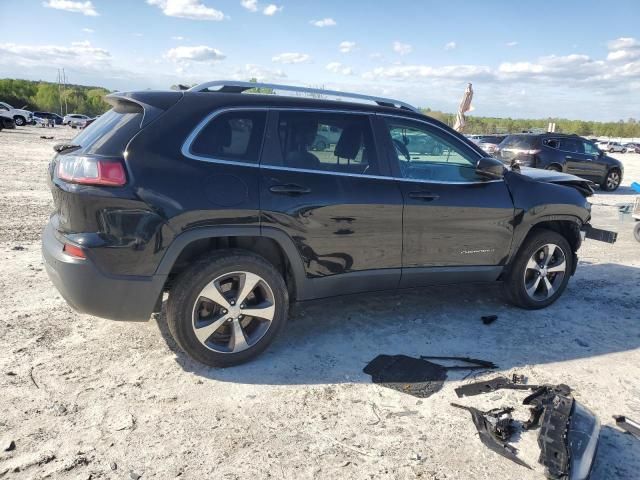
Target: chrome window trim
x,y
186,146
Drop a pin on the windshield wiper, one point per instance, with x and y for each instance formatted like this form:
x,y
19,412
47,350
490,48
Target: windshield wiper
x,y
63,147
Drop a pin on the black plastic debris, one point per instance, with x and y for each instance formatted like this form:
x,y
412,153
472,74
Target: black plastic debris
x,y
417,376
628,425
488,319
495,427
491,385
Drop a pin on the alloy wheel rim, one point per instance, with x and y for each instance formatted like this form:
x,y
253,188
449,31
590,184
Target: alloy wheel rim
x,y
233,312
612,180
545,272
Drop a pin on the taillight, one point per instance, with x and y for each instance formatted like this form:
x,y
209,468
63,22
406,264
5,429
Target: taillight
x,y
73,251
91,170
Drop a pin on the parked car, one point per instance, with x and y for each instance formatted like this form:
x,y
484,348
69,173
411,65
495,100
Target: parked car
x,y
489,143
631,148
20,117
74,117
48,115
610,147
563,153
7,121
214,196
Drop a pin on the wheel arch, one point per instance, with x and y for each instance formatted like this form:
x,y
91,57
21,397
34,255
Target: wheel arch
x,y
272,244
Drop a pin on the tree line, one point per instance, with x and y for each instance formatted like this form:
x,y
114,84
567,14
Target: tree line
x,y
625,129
49,97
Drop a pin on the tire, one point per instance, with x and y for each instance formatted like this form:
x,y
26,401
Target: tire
x,y
636,232
523,275
611,181
20,121
554,168
217,322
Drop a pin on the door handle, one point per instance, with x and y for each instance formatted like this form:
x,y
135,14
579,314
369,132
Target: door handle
x,y
426,196
289,189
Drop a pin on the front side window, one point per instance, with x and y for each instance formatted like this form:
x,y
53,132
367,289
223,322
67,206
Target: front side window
x,y
326,141
424,154
232,136
590,148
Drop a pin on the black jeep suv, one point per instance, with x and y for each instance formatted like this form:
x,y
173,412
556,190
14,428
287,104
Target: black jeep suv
x,y
216,197
562,153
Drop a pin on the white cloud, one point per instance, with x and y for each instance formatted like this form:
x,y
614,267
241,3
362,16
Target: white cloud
x,y
191,9
177,38
85,8
87,30
271,10
337,67
398,72
511,44
258,72
291,57
402,48
199,53
325,22
251,5
347,47
78,54
623,42
450,46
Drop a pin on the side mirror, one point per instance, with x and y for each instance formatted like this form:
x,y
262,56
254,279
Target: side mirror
x,y
490,167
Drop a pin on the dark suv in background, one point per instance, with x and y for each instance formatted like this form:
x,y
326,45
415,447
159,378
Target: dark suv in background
x,y
562,153
225,201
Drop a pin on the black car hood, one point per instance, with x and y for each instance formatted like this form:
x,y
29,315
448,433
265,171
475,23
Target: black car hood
x,y
550,176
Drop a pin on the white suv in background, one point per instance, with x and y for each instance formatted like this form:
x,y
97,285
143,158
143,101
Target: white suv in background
x,y
20,117
610,147
74,119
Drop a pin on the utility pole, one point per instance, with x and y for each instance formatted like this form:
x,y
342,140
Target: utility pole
x,y
59,81
64,81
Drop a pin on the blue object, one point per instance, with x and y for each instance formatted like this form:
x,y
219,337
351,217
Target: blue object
x,y
636,186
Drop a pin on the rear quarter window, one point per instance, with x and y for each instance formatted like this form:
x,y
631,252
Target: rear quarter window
x,y
520,142
235,136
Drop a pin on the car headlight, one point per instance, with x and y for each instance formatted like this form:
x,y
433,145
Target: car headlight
x,y
582,438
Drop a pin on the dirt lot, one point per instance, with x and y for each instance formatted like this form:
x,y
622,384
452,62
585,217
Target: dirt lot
x,y
89,398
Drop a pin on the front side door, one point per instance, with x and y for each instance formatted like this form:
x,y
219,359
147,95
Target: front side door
x,y
336,201
577,161
456,225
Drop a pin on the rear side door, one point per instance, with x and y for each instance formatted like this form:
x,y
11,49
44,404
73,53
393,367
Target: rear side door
x,y
577,161
338,204
456,225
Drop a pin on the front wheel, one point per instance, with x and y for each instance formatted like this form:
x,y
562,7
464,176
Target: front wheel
x,y
636,232
611,181
227,309
20,121
540,271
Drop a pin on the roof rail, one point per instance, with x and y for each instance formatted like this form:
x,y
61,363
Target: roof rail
x,y
232,86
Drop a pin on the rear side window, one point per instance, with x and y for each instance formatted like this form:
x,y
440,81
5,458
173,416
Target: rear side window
x,y
232,136
551,142
110,134
326,141
519,142
571,145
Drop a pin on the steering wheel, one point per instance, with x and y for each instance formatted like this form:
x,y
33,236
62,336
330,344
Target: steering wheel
x,y
402,149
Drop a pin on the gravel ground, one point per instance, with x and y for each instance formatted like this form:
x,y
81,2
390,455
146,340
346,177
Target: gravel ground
x,y
89,398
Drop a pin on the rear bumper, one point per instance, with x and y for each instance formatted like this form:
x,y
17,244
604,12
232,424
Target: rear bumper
x,y
89,290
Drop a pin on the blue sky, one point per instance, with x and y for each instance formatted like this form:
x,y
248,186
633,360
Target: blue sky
x,y
574,59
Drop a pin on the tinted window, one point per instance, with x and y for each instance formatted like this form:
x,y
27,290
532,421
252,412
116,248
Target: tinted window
x,y
570,145
426,154
590,148
109,134
327,141
551,142
232,136
520,142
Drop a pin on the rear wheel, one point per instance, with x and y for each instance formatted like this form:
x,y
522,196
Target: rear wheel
x,y
226,310
612,180
541,270
554,168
